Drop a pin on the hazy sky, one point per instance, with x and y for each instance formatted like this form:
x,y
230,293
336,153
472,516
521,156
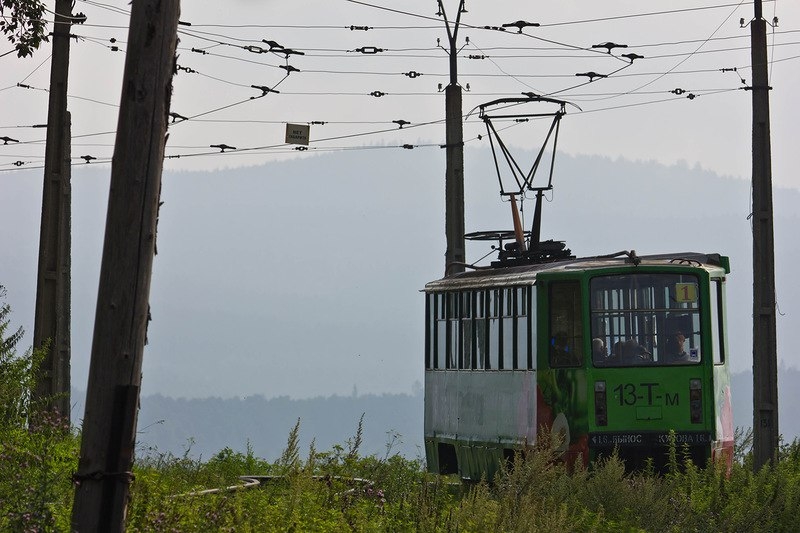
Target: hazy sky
x,y
260,287
632,113
225,277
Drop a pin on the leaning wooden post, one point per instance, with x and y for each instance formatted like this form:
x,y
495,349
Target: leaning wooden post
x,y
109,423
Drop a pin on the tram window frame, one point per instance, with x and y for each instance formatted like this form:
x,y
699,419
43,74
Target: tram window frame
x,y
635,315
430,328
453,331
481,331
533,334
508,340
440,356
717,313
565,324
521,328
467,331
493,321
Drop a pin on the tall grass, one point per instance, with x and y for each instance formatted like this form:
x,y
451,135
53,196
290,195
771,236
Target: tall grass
x,y
342,490
339,490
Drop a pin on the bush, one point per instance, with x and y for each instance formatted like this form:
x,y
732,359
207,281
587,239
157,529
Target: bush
x,y
17,373
38,453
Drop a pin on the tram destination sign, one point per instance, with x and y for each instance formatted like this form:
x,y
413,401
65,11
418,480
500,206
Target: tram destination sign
x,y
648,438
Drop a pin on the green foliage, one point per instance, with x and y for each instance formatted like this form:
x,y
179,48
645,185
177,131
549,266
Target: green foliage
x,y
38,453
766,500
35,476
538,492
340,490
326,491
17,372
23,23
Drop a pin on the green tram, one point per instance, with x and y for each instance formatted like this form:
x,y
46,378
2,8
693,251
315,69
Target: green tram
x,y
605,353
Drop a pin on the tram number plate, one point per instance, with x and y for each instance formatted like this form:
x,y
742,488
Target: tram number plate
x,y
644,394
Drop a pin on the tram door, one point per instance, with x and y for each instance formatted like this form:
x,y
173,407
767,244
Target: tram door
x,y
562,382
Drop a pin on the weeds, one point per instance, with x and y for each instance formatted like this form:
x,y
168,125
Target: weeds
x,y
341,490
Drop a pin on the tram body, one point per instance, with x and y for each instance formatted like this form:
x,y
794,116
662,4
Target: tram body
x,y
589,350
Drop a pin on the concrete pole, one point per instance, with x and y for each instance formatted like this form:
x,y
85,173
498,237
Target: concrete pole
x,y
765,358
51,326
455,256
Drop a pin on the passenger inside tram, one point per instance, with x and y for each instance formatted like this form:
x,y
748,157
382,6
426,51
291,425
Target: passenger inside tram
x,y
599,351
676,353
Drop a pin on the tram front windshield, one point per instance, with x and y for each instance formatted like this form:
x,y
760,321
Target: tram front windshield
x,y
645,319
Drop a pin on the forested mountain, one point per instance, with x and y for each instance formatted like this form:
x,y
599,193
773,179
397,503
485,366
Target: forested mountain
x,y
204,426
301,278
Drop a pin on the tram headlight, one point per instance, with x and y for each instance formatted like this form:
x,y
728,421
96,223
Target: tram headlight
x,y
600,404
696,401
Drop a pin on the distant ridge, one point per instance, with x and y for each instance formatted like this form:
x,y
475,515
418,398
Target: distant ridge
x,y
201,427
302,277
204,426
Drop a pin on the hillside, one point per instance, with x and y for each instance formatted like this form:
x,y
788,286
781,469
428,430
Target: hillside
x,y
205,426
302,278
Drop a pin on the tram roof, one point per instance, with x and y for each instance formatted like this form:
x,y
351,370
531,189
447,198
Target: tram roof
x,y
526,274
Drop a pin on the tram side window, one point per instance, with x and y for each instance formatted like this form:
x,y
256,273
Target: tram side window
x,y
566,326
452,326
717,301
441,331
532,321
465,361
494,328
481,341
430,327
522,360
508,329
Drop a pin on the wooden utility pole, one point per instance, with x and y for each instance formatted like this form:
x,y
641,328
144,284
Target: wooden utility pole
x,y
109,423
765,352
51,326
455,256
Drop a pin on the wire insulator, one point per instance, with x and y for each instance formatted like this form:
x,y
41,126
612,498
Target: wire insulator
x,y
369,50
